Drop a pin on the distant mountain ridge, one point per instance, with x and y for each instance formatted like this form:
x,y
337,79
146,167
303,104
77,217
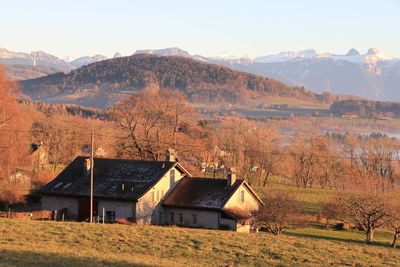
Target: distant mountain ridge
x,y
374,75
37,58
82,61
104,83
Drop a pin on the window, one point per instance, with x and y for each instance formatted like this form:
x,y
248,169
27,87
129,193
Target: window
x,y
194,218
158,195
171,218
180,214
110,216
172,175
242,195
67,185
58,185
153,198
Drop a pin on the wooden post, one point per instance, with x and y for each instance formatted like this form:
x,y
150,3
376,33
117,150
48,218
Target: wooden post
x,y
9,213
104,211
91,176
63,217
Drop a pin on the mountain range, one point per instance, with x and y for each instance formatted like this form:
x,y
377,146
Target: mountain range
x,y
374,75
104,83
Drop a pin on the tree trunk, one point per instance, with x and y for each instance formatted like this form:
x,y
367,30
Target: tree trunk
x,y
395,236
327,223
370,235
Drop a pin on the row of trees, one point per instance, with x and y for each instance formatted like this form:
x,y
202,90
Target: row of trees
x,y
366,211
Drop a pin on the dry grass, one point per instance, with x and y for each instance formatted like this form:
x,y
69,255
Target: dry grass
x,y
34,243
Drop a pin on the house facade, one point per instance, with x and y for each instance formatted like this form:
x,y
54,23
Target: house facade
x,y
150,192
212,203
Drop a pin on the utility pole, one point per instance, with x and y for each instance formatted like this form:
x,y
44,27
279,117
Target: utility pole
x,y
91,175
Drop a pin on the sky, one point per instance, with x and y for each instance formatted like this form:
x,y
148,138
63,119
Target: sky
x,y
254,28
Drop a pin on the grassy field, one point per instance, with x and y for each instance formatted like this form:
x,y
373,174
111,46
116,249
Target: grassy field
x,y
34,243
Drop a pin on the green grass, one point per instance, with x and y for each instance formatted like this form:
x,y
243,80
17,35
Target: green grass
x,y
310,199
33,243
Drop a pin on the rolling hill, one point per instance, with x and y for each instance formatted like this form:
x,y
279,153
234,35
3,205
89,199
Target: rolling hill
x,y
23,72
104,83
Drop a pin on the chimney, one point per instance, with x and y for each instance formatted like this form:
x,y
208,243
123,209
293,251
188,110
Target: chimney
x,y
170,155
231,178
86,167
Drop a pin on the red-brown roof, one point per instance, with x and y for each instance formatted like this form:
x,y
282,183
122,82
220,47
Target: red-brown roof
x,y
236,214
201,193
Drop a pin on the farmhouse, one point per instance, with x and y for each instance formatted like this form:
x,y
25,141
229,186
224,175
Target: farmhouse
x,y
151,192
212,203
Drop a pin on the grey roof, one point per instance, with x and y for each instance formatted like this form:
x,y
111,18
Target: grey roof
x,y
113,178
201,193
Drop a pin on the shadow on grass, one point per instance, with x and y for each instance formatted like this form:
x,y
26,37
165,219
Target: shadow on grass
x,y
361,242
29,258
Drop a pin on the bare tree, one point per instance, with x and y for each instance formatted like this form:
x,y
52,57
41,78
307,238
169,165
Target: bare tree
x,y
152,122
394,223
279,213
367,210
332,210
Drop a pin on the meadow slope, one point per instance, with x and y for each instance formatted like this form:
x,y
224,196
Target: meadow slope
x,y
35,243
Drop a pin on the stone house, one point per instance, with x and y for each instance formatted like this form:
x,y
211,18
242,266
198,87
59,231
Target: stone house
x,y
39,156
20,178
151,192
212,203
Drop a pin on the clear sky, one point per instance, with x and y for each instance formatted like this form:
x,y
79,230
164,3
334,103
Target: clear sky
x,y
253,27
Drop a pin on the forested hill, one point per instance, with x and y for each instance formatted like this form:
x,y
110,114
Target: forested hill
x,y
200,82
366,108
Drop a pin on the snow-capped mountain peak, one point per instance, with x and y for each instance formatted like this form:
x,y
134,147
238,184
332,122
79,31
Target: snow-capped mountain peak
x,y
287,56
117,55
87,60
353,52
173,51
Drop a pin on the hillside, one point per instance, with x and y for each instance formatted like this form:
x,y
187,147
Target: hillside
x,y
70,109
103,83
23,72
33,243
364,108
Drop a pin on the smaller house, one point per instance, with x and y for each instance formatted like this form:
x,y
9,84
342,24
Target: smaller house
x,y
212,203
39,156
99,152
20,178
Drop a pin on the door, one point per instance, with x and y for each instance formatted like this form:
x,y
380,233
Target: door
x,y
84,209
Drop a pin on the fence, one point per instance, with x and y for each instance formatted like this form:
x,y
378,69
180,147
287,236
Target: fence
x,y
33,215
